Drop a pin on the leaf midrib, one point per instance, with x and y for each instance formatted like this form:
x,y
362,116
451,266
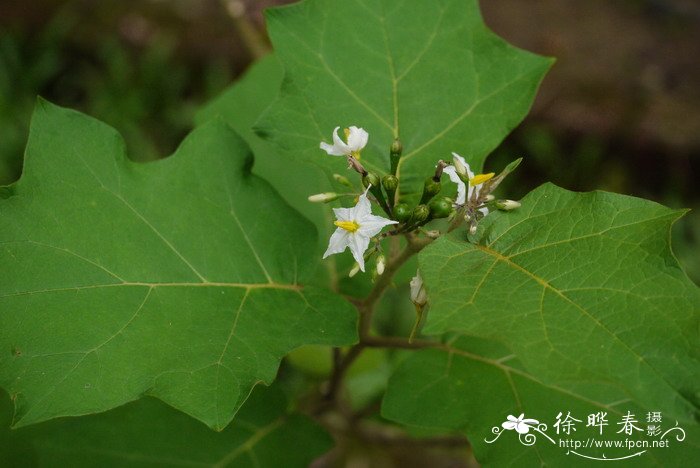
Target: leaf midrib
x,y
248,286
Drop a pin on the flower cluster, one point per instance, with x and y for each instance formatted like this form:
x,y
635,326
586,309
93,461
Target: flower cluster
x,y
356,227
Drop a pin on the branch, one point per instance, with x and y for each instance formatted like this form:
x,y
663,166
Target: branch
x,y
253,39
365,308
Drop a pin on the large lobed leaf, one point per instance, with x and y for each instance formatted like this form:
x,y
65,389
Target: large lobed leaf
x,y
572,303
240,106
179,278
472,384
147,433
430,73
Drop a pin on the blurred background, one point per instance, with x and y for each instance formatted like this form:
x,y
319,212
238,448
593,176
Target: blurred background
x,y
620,110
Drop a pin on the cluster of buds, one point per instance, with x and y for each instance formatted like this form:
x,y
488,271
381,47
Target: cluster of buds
x,y
357,226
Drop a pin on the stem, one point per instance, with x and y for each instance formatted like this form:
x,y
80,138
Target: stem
x,y
399,343
419,317
253,39
365,308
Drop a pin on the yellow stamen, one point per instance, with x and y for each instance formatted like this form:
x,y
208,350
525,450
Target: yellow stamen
x,y
350,226
481,178
347,133
356,155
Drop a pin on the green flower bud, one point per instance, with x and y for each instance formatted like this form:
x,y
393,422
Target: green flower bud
x,y
420,214
390,183
342,180
370,179
430,189
440,207
395,154
402,212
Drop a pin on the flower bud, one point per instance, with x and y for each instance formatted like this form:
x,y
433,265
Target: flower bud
x,y
440,207
381,264
472,229
370,179
402,212
507,205
431,187
490,198
418,295
420,214
323,197
395,154
390,183
433,233
460,167
353,271
342,180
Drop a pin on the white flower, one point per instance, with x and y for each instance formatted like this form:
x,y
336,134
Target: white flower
x,y
466,193
356,226
521,425
418,294
356,140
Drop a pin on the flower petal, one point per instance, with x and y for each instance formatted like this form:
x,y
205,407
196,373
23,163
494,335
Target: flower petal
x,y
512,418
484,211
371,225
339,241
344,214
531,421
338,148
461,186
338,142
357,139
331,149
358,244
363,207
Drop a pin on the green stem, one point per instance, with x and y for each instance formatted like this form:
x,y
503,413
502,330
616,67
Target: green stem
x,y
365,308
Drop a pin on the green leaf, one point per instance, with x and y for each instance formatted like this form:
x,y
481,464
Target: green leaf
x,y
179,278
572,303
240,106
472,385
147,433
430,73
583,289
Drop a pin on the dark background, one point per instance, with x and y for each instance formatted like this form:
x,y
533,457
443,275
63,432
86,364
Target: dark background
x,y
620,110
